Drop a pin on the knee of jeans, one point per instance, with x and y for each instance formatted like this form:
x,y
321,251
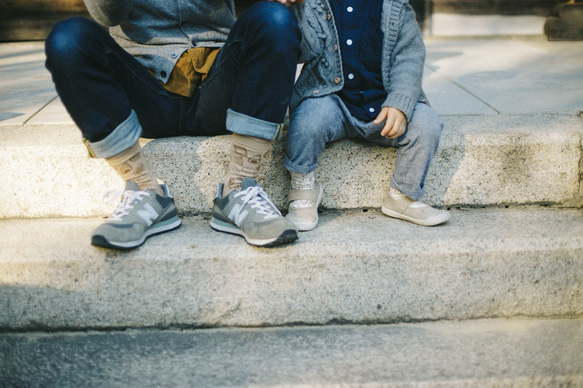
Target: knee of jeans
x,y
426,136
313,115
278,27
306,132
426,125
303,129
432,130
66,38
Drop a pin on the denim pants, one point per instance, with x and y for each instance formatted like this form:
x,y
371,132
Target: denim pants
x,y
318,121
114,100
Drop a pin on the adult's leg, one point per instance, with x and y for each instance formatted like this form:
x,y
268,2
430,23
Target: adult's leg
x,y
249,87
106,90
247,92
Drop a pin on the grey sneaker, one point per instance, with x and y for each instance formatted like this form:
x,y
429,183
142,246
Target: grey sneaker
x,y
398,205
250,213
303,207
139,215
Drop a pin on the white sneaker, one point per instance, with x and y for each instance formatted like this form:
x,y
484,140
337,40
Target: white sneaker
x,y
398,205
303,207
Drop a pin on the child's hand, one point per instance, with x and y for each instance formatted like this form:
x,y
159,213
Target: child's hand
x,y
395,122
288,2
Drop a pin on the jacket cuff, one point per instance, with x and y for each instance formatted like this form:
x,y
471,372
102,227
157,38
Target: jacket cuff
x,y
401,102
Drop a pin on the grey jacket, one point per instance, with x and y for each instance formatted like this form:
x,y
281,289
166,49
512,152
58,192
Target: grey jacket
x,y
157,32
403,55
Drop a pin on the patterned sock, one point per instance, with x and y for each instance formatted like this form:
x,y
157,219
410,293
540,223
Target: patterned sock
x,y
247,155
132,164
301,182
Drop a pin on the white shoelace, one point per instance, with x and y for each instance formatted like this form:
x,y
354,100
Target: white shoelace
x,y
259,200
126,204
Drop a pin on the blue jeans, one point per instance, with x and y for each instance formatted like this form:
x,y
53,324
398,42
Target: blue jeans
x,y
318,121
114,100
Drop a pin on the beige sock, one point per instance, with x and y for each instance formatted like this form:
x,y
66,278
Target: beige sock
x,y
132,164
247,154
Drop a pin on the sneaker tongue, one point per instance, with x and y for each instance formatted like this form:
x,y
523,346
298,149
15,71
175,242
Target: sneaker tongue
x,y
247,182
131,185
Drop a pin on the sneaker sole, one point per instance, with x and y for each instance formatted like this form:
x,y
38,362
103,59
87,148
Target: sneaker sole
x,y
430,222
288,236
158,228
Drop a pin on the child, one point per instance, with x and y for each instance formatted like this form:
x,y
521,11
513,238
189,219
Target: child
x,y
362,73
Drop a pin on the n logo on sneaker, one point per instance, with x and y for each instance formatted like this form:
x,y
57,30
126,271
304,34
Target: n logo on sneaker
x,y
148,214
237,215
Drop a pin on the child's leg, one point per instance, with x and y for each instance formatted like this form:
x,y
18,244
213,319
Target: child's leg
x,y
417,147
314,123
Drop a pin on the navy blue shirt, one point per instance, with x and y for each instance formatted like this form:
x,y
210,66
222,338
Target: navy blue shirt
x,y
361,39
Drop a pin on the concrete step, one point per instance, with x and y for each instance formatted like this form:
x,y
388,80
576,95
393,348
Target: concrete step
x,y
483,160
481,353
356,267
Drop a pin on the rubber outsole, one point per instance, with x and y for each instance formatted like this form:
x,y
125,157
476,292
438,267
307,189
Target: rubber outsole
x,y
430,222
101,242
287,236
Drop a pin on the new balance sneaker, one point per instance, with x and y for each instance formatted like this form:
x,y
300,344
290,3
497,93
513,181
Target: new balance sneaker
x,y
139,215
250,213
398,205
303,207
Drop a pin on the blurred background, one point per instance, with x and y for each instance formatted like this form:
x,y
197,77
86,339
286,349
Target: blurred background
x,y
32,19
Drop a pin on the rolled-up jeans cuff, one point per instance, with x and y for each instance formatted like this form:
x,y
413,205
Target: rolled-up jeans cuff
x,y
122,138
250,126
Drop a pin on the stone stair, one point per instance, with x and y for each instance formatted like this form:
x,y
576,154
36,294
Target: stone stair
x,y
481,353
508,265
482,161
356,267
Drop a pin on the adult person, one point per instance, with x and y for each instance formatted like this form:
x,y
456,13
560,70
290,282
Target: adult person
x,y
179,68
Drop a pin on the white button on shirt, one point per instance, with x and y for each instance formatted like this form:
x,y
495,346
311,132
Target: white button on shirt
x,y
350,76
371,110
349,42
350,9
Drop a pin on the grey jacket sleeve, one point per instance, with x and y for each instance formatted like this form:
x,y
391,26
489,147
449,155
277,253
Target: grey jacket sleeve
x,y
405,71
109,12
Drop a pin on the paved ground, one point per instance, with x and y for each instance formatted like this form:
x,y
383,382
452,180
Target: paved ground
x,y
486,76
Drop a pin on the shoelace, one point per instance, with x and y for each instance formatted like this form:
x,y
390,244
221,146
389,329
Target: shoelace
x,y
126,203
259,200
